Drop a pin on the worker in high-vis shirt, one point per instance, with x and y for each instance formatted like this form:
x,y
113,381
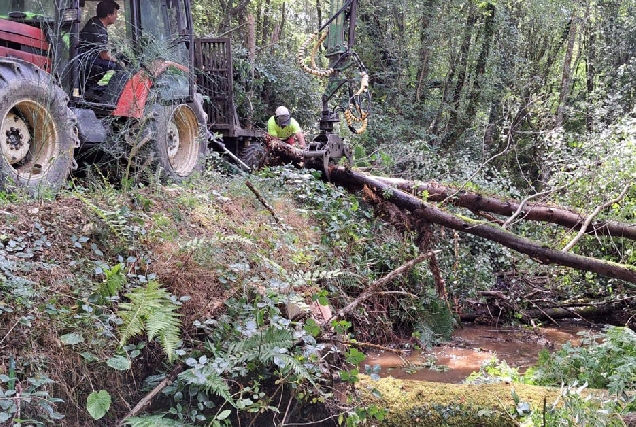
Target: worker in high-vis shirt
x,y
283,126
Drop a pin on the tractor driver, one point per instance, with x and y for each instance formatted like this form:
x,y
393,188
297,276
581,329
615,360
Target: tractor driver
x,y
93,46
283,126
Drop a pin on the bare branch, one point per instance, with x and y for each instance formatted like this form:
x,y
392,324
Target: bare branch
x,y
371,290
591,216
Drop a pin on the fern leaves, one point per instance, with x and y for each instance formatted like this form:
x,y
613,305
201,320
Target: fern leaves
x,y
207,378
150,309
116,218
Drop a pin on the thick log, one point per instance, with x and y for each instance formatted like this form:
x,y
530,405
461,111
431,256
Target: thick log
x,y
428,212
608,311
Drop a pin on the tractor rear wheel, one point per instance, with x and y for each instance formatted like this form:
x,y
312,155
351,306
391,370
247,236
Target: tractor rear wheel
x,y
38,132
254,155
179,140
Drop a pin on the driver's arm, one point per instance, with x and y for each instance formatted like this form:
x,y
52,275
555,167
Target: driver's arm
x,y
301,139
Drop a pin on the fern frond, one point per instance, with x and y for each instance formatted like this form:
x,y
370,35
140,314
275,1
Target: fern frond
x,y
201,242
236,239
262,346
115,219
150,309
165,325
209,379
287,362
155,421
346,281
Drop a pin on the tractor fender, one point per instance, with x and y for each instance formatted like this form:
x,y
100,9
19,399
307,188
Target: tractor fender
x,y
132,101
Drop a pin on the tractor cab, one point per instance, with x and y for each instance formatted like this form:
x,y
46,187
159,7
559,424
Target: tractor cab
x,y
146,34
46,33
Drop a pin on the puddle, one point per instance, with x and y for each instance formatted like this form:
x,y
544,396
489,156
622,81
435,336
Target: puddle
x,y
473,345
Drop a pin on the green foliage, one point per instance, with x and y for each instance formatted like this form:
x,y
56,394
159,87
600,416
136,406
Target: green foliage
x,y
606,360
270,82
98,403
495,371
152,310
602,361
433,320
115,217
114,281
576,407
26,401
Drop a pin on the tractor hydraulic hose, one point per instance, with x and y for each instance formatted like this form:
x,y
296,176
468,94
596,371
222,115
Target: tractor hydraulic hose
x,y
313,70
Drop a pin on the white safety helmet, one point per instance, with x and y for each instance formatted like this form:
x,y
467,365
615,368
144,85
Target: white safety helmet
x,y
283,118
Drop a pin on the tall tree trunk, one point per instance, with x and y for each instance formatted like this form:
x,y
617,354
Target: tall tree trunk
x,y
462,69
465,117
566,77
425,48
265,29
589,43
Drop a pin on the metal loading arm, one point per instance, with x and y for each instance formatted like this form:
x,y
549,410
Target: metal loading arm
x,y
345,72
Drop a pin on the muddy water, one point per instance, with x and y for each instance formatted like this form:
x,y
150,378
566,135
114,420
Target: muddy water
x,y
473,345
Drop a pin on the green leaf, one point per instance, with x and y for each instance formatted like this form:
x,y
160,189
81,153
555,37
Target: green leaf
x,y
120,363
355,356
72,338
88,356
312,327
98,403
223,415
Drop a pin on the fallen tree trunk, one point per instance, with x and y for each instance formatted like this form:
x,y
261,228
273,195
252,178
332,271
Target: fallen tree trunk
x,y
431,213
475,202
608,311
386,190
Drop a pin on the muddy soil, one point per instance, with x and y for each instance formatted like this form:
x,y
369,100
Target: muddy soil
x,y
473,345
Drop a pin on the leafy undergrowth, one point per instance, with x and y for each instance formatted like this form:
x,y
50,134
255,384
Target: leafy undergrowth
x,y
198,304
107,293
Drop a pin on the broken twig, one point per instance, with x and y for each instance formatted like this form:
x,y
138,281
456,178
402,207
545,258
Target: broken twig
x,y
262,200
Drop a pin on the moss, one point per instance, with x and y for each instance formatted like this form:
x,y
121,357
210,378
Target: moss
x,y
410,403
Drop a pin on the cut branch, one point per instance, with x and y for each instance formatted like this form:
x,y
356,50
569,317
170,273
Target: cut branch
x,y
262,200
147,399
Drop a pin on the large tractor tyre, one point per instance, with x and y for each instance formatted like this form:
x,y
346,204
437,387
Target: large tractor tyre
x,y
38,132
179,140
254,155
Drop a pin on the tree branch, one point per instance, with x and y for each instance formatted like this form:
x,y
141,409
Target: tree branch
x,y
591,216
381,282
537,251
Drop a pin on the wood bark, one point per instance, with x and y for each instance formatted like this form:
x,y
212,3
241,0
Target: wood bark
x,y
566,78
587,311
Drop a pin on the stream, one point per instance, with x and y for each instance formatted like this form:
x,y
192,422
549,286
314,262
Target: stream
x,y
471,346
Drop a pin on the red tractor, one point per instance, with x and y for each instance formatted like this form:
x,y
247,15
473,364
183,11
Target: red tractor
x,y
150,115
